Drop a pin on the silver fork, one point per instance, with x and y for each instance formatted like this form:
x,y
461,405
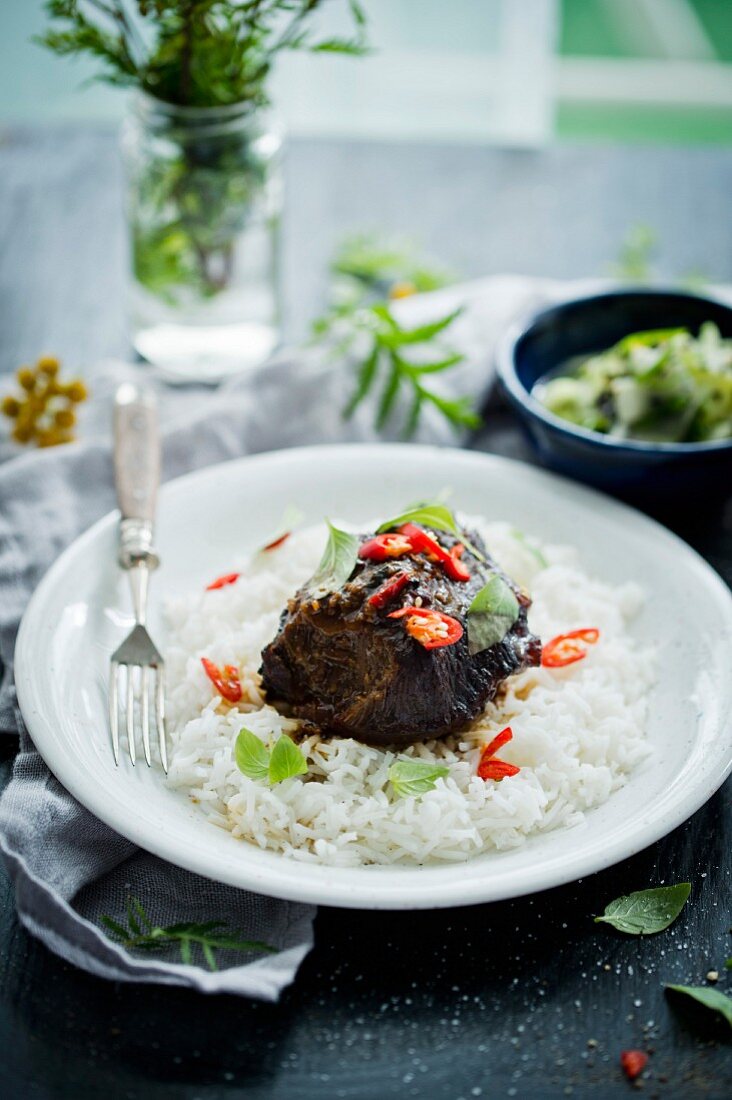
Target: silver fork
x,y
137,475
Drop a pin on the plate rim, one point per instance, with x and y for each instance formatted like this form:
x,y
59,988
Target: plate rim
x,y
312,883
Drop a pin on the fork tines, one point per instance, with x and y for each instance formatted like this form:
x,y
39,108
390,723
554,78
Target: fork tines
x,y
137,691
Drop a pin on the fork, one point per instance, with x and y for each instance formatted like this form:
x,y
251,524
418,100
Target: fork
x,y
137,475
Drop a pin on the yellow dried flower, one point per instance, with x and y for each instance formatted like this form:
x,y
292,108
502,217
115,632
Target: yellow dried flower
x,y
44,414
77,391
64,418
27,378
49,366
22,433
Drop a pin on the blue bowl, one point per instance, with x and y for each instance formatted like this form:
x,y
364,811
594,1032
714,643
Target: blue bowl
x,y
633,468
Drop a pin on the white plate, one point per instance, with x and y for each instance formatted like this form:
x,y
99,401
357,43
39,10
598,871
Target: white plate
x,y
80,612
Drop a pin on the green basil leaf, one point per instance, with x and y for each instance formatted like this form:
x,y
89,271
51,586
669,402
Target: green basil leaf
x,y
710,998
338,561
414,777
491,615
252,757
286,760
434,515
728,964
646,911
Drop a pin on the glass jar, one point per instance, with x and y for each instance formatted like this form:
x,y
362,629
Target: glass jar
x,y
204,195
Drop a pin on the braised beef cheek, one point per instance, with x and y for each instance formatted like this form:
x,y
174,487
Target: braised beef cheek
x,y
343,664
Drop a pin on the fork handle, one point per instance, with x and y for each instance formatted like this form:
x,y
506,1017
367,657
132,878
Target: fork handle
x,y
136,473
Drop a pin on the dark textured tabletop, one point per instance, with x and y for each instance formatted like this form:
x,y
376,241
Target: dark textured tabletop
x,y
527,998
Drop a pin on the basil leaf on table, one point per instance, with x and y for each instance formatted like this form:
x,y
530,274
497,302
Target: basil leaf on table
x,y
252,757
491,615
710,998
415,777
286,760
338,561
646,911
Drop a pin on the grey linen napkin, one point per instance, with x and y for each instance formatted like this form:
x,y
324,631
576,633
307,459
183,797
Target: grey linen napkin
x,y
68,868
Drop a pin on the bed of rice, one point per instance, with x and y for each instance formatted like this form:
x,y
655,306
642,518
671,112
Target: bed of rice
x,y
578,731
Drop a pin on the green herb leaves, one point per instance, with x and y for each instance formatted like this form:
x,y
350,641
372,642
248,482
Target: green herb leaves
x,y
710,998
338,562
208,936
286,761
432,514
491,615
436,516
204,53
415,777
646,911
255,760
394,361
251,756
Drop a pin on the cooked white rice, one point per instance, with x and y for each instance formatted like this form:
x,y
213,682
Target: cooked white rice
x,y
577,731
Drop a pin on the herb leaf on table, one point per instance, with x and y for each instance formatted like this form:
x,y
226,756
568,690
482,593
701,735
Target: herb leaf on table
x,y
141,934
646,911
710,998
393,361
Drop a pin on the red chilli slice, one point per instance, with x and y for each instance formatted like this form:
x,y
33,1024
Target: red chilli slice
x,y
633,1063
221,582
423,543
276,542
383,547
567,648
388,591
226,680
489,767
456,569
431,629
498,742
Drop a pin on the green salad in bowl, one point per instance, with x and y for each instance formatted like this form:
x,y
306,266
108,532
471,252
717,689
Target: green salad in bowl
x,y
664,385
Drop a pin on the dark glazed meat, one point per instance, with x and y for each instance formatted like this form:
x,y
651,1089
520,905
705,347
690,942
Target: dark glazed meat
x,y
344,665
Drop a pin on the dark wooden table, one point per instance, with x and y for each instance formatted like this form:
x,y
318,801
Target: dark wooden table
x,y
526,998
